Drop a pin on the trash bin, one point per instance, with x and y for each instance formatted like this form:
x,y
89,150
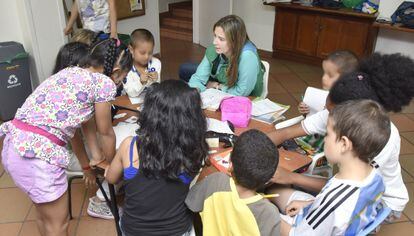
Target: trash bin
x,y
15,82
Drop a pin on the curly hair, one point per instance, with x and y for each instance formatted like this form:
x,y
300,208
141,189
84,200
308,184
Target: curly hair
x,y
171,137
387,79
70,54
107,53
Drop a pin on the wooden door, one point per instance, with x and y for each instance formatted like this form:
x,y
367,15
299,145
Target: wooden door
x,y
354,37
329,36
285,30
307,34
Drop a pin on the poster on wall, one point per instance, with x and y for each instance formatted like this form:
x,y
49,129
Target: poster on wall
x,y
136,5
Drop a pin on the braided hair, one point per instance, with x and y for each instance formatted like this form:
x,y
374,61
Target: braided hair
x,y
108,53
387,79
70,54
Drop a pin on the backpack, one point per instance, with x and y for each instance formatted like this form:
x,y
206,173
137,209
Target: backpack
x,y
404,14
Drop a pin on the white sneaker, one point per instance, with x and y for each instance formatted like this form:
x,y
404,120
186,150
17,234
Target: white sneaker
x,y
99,209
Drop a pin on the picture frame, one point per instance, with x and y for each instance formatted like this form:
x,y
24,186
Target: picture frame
x,y
130,8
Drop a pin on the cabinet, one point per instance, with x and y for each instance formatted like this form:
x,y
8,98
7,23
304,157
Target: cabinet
x,y
309,34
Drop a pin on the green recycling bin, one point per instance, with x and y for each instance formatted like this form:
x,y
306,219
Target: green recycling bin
x,y
15,82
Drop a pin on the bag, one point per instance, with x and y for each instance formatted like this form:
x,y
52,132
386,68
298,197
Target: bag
x,y
237,110
333,4
404,14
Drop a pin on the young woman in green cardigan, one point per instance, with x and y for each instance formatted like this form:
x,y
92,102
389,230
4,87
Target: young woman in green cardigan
x,y
230,64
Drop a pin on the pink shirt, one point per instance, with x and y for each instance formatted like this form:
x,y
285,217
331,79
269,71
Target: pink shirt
x,y
59,105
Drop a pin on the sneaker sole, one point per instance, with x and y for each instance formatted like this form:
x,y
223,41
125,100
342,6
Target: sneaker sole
x,y
93,214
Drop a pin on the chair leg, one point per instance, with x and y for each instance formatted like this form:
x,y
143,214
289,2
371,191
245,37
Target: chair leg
x,y
70,197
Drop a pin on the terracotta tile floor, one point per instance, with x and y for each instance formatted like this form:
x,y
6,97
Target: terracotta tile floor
x,y
287,82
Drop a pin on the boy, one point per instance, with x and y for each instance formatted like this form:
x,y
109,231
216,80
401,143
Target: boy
x,y
357,131
230,205
146,68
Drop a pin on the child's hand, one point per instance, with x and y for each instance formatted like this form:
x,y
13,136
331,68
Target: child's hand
x,y
153,76
89,177
145,77
303,108
295,206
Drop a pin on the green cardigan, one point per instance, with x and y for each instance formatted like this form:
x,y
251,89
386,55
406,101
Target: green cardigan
x,y
250,72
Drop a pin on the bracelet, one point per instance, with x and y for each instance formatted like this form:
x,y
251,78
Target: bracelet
x,y
86,168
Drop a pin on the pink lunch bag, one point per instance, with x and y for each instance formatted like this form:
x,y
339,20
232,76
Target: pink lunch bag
x,y
237,110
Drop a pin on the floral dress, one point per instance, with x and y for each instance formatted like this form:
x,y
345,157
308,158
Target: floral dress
x,y
59,106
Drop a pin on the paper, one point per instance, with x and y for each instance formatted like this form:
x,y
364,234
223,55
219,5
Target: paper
x,y
137,100
218,126
262,107
124,130
211,98
315,99
289,122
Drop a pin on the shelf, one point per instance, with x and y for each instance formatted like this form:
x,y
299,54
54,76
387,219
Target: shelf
x,y
396,27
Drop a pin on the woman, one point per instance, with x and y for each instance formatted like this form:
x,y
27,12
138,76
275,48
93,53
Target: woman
x,y
230,64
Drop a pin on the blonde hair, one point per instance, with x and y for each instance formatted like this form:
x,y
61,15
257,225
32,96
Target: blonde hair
x,y
236,36
85,36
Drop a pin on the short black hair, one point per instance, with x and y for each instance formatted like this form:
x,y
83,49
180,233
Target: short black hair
x,y
387,79
141,35
345,60
254,159
365,123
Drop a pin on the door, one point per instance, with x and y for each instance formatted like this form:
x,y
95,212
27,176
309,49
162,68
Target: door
x,y
205,14
329,36
285,33
307,34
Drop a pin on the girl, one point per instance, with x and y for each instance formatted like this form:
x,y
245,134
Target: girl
x,y
35,151
387,79
231,64
96,15
70,55
159,163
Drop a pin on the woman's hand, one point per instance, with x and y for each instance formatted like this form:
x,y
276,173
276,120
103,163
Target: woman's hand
x,y
212,84
303,108
295,206
89,177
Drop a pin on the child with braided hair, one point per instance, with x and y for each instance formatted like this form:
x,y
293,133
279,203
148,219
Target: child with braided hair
x,y
35,151
70,54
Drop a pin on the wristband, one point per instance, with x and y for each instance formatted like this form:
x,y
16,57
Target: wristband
x,y
86,168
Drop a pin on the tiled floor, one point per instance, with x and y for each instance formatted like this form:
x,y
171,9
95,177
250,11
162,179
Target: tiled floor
x,y
287,82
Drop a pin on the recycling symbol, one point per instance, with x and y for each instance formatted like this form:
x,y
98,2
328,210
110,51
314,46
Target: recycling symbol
x,y
13,79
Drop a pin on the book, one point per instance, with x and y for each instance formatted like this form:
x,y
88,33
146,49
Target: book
x,y
269,112
315,99
211,98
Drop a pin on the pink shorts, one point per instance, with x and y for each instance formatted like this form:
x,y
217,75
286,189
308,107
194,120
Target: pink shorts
x,y
42,181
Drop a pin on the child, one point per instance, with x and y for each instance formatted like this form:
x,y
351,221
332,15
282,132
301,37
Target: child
x,y
386,79
159,163
85,36
70,54
35,151
230,205
337,63
146,68
96,15
357,131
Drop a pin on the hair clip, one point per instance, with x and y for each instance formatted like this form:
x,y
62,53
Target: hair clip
x,y
360,77
118,42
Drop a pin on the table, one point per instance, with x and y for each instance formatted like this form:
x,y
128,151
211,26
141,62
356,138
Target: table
x,y
289,162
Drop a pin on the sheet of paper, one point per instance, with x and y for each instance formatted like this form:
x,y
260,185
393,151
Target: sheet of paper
x,y
218,126
265,106
315,99
289,122
137,100
211,98
124,130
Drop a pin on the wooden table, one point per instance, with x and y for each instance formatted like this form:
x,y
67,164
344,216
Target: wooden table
x,y
289,162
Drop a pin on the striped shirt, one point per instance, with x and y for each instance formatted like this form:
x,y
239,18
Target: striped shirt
x,y
343,207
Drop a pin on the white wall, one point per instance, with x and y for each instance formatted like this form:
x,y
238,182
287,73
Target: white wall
x,y
390,41
9,22
259,20
148,21
163,4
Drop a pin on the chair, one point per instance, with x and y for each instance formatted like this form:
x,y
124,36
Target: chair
x,y
382,215
73,171
265,79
